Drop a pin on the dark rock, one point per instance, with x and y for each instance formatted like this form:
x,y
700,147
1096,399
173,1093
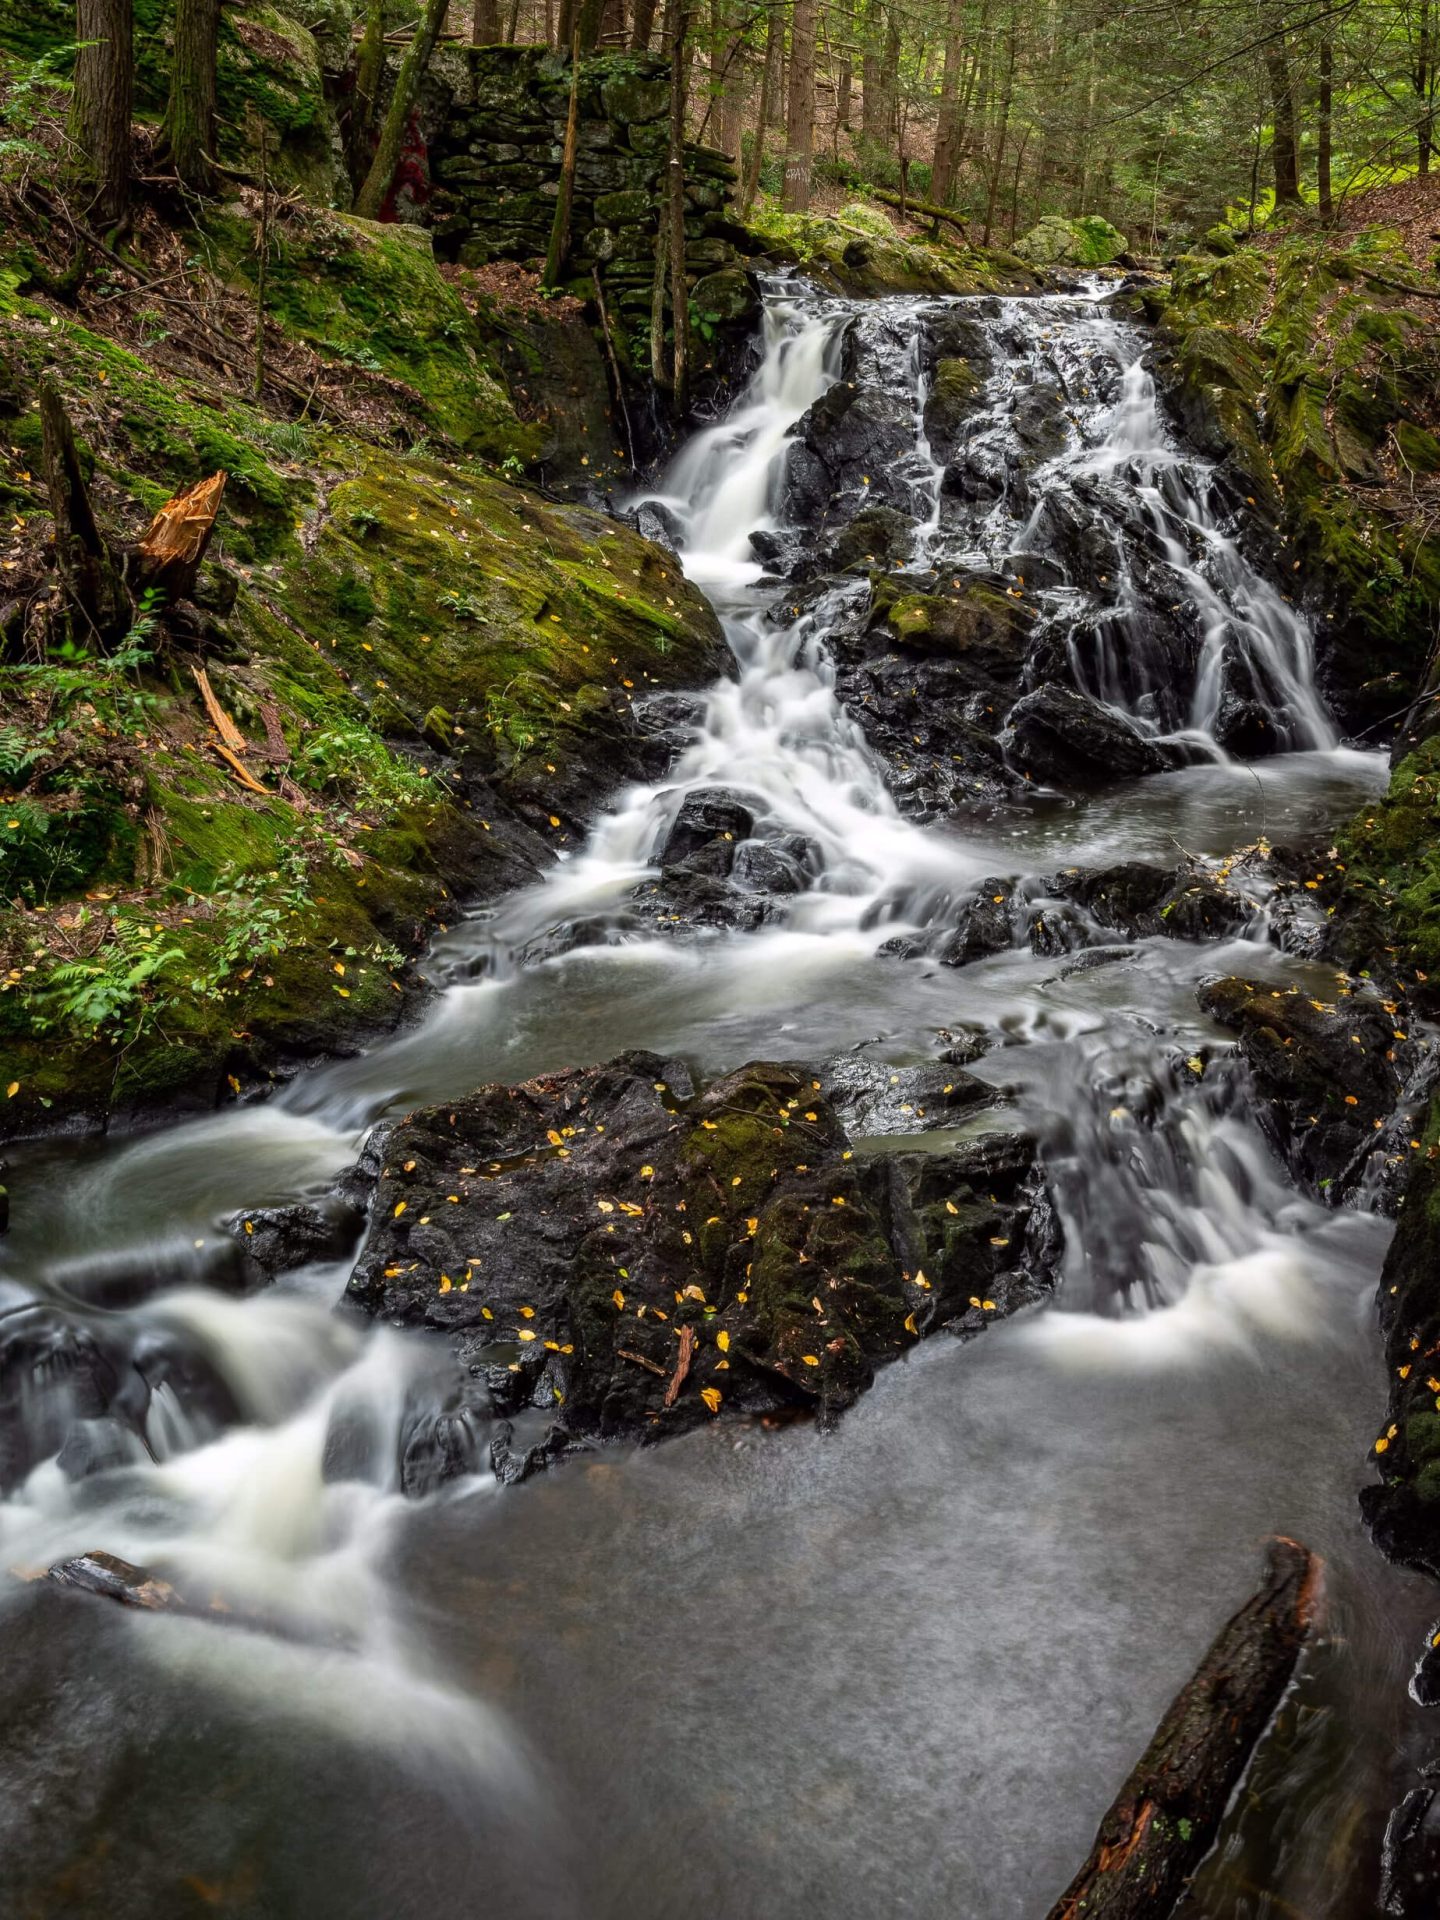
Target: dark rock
x,y
1410,1857
955,394
658,523
278,1239
1330,1077
111,1578
1065,739
609,1222
710,823
877,537
872,1097
985,925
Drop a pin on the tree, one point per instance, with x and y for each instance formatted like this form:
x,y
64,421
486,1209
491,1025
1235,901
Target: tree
x,y
371,198
485,26
774,38
945,162
1284,145
187,135
100,107
800,109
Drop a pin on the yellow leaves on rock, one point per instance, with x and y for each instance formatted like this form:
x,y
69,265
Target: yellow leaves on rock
x,y
445,1283
910,1326
722,1340
921,1281
647,1173
1351,1101
618,1297
12,1089
711,1397
606,1206
527,1313
400,1206
692,1292
1382,1444
552,1136
525,1333
811,1359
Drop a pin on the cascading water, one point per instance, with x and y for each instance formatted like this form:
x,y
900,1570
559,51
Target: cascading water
x,y
1209,1366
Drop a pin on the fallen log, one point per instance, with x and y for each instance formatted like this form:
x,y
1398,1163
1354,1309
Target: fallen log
x,y
1166,1816
920,209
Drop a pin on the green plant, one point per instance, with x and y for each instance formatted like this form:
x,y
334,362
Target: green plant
x,y
29,92
111,991
352,760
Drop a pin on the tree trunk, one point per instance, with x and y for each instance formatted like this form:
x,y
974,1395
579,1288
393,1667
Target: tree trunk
x,y
187,137
890,76
369,72
100,106
945,162
678,19
1284,148
1002,134
844,69
1425,88
83,558
485,29
559,248
1325,125
588,21
642,25
800,109
872,97
1169,1810
612,23
372,195
773,34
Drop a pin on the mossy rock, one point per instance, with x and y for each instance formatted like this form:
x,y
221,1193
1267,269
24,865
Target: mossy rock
x,y
1087,241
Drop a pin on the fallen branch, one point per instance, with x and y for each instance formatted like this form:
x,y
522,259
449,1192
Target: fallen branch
x,y
920,209
682,1365
242,773
639,1360
1166,1815
229,733
615,372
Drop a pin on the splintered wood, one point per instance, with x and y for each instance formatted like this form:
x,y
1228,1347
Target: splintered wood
x,y
231,743
173,545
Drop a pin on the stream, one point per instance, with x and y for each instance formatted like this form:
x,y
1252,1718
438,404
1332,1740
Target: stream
x,y
897,1668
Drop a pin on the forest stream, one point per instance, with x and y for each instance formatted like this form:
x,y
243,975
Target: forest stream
x,y
899,1666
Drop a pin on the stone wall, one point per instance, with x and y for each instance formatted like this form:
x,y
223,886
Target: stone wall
x,y
496,135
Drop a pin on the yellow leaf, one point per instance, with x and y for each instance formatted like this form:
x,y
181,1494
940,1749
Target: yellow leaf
x,y
988,1306
14,1088
1381,1444
445,1283
234,1083
618,1297
950,1207
811,1359
525,1333
910,1326
552,1346
400,1206
722,1340
249,1226
711,1397
921,1281
527,1313
606,1206
647,1173
692,1292
552,1136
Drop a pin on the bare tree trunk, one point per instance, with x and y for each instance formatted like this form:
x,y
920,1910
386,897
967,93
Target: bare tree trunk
x,y
945,161
1325,125
773,35
369,72
642,25
1425,88
800,110
872,98
890,76
844,69
1001,135
678,19
485,29
371,197
100,106
187,136
559,247
1284,148
82,556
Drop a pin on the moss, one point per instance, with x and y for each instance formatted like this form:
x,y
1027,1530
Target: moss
x,y
856,260
1391,860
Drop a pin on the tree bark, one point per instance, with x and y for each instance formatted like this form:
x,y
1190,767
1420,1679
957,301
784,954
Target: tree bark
x,y
100,106
800,110
945,161
1168,1812
369,72
1325,125
82,555
678,19
371,197
773,33
1284,147
642,25
187,136
559,248
485,27
1425,88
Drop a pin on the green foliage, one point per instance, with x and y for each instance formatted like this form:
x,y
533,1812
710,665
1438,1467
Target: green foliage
x,y
351,760
113,991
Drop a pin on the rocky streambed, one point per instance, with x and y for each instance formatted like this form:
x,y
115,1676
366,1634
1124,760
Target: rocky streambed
x,y
961,967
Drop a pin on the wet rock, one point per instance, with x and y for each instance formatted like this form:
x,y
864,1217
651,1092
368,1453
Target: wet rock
x,y
710,823
111,1578
873,1097
626,1257
956,391
1339,1082
688,897
878,537
1183,903
659,523
786,864
1064,738
278,1239
1410,1857
985,926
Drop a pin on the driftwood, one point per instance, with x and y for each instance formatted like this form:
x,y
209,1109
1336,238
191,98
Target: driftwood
x,y
919,209
86,564
682,1365
1167,1814
173,545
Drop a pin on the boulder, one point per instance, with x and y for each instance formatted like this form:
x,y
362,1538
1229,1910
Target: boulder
x,y
1064,738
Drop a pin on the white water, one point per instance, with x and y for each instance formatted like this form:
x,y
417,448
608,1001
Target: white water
x,y
1187,1247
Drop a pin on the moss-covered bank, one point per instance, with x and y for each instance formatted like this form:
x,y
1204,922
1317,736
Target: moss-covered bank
x,y
434,670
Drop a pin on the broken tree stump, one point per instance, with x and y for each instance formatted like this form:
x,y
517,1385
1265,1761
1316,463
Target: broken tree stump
x,y
1166,1816
87,567
173,545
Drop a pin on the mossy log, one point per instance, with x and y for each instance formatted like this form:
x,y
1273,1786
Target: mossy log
x,y
920,209
1166,1816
